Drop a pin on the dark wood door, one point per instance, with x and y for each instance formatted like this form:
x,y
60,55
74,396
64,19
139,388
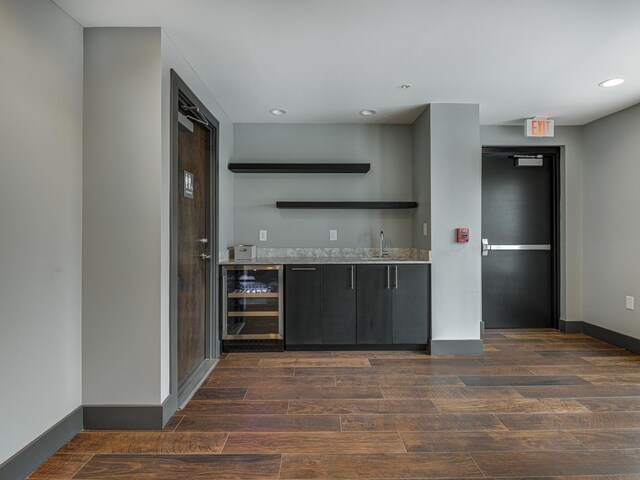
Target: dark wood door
x,y
194,198
374,304
411,293
303,304
339,304
517,272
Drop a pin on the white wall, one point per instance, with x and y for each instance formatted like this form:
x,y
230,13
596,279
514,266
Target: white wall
x,y
611,221
570,139
386,147
172,58
40,220
122,226
455,202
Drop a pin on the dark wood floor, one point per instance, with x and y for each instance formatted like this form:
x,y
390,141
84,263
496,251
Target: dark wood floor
x,y
536,404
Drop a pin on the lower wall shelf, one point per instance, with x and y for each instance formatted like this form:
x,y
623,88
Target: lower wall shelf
x,y
348,205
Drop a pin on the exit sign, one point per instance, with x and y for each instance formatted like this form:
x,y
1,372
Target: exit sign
x,y
538,127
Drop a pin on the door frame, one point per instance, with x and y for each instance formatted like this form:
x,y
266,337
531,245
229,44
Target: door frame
x,y
181,92
554,153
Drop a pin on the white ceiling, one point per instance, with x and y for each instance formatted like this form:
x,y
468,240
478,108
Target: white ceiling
x,y
325,60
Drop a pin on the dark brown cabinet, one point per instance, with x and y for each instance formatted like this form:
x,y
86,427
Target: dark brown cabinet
x,y
339,305
303,304
357,305
374,305
410,304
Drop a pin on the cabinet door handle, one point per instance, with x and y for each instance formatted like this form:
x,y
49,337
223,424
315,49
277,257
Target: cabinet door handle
x,y
303,269
396,271
388,278
352,277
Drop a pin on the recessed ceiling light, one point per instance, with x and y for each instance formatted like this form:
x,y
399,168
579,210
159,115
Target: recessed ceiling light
x,y
277,111
612,82
367,113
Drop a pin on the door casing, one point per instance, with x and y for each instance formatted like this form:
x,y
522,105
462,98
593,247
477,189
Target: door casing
x,y
554,153
180,91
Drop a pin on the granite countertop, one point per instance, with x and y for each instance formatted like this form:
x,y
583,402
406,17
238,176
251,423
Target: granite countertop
x,y
325,261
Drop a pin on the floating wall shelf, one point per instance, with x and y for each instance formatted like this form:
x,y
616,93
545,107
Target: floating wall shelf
x,y
300,167
347,205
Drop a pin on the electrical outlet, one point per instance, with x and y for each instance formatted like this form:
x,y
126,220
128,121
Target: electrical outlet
x,y
333,235
424,229
263,235
630,302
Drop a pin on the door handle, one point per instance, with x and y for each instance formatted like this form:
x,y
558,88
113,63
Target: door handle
x,y
486,247
396,272
203,240
388,278
352,277
303,269
205,256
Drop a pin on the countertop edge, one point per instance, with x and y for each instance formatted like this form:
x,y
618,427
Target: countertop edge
x,y
324,261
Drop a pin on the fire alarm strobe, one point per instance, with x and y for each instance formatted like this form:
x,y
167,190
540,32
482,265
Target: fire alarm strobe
x,y
462,235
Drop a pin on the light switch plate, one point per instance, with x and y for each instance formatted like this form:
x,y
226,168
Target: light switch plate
x,y
630,303
263,235
424,229
333,235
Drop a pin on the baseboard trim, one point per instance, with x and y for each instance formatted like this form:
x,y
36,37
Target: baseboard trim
x,y
570,327
609,336
419,347
182,402
192,383
456,347
33,455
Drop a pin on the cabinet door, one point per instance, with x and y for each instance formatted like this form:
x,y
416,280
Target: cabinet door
x,y
411,291
374,305
339,304
303,302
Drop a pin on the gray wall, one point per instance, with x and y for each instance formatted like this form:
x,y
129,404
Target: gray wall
x,y
455,202
612,226
40,220
126,216
386,147
122,216
421,179
570,139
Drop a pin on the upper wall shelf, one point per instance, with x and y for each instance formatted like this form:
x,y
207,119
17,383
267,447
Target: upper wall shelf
x,y
348,205
300,167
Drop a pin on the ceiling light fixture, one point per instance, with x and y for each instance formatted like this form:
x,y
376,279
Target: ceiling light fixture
x,y
367,113
612,82
277,111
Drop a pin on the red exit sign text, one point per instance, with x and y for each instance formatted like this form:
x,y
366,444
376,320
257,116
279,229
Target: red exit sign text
x,y
538,127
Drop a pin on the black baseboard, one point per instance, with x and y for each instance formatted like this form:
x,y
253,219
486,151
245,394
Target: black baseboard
x,y
33,455
403,346
129,417
570,327
609,336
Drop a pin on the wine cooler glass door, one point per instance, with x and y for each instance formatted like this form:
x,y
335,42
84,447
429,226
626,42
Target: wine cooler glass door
x,y
253,302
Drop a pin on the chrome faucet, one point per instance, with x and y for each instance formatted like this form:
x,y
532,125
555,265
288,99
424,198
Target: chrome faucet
x,y
381,254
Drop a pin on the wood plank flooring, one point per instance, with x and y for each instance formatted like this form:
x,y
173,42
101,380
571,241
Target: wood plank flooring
x,y
537,403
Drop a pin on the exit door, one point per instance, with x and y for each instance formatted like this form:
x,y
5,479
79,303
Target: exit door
x,y
519,238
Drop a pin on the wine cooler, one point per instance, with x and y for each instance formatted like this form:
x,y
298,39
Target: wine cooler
x,y
252,316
